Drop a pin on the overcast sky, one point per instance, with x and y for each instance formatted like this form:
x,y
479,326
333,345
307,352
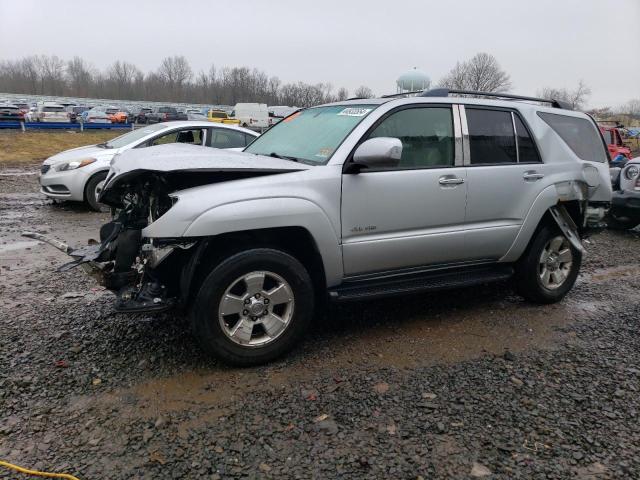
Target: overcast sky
x,y
346,42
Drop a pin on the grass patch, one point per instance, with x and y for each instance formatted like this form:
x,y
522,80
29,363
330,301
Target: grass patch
x,y
18,147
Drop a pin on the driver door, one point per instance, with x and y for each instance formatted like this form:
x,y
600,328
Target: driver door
x,y
413,214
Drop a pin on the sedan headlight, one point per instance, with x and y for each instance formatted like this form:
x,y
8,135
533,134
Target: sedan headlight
x,y
74,164
631,172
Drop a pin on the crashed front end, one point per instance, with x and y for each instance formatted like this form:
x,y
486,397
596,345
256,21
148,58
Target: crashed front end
x,y
150,274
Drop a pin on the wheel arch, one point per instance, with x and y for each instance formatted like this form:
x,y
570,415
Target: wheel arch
x,y
89,178
296,241
569,195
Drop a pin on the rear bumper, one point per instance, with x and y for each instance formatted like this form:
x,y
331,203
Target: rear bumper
x,y
626,202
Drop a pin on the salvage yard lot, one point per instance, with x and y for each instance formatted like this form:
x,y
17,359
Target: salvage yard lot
x,y
435,386
27,147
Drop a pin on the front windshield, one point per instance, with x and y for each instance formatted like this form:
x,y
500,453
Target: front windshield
x,y
131,137
311,135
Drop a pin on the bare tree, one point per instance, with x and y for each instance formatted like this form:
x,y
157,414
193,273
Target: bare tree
x,y
342,94
632,108
79,77
481,73
175,72
363,92
576,97
122,77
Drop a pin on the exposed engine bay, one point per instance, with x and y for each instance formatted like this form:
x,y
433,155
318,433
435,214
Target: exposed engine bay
x,y
145,274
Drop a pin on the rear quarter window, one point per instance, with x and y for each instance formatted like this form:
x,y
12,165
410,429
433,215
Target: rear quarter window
x,y
580,135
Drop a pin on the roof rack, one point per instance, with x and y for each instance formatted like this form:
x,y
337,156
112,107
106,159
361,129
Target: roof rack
x,y
444,92
391,95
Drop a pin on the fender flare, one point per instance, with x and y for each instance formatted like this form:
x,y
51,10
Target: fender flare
x,y
269,213
552,196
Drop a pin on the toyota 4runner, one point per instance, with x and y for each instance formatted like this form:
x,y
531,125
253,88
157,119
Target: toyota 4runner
x,y
350,201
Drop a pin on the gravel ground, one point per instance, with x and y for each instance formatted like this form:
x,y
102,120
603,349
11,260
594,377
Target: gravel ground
x,y
463,384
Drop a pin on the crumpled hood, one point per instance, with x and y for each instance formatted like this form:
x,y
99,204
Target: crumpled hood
x,y
76,153
183,157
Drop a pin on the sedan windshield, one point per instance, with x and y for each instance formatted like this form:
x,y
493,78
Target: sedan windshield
x,y
311,135
131,137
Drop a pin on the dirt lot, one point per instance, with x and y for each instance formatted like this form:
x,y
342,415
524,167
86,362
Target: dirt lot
x,y
467,383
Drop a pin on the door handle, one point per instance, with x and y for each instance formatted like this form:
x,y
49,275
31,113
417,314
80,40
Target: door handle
x,y
532,175
449,180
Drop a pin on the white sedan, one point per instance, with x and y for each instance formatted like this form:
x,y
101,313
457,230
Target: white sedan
x,y
78,174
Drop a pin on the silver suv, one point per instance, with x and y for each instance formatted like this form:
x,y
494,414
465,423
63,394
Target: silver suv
x,y
350,201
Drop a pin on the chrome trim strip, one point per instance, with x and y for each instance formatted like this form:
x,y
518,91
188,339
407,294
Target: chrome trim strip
x,y
515,134
465,136
457,131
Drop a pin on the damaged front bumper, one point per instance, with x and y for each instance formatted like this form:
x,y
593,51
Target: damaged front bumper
x,y
126,265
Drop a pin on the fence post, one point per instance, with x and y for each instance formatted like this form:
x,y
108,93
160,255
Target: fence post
x,y
22,127
81,124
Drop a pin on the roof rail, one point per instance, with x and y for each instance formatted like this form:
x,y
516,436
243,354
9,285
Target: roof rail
x,y
391,95
444,92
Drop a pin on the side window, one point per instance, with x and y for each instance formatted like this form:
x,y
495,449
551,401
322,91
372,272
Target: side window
x,y
248,139
527,152
580,134
426,134
193,137
491,136
227,138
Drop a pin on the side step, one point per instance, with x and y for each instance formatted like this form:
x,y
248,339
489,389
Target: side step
x,y
422,282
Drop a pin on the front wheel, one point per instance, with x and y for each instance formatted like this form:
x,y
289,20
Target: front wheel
x,y
92,192
253,307
548,269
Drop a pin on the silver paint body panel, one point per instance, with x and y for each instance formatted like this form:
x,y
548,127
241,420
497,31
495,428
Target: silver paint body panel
x,y
386,220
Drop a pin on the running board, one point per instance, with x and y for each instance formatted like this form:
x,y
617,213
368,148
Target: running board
x,y
407,284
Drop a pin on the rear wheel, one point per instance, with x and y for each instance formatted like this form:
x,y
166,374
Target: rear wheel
x,y
548,269
253,307
92,192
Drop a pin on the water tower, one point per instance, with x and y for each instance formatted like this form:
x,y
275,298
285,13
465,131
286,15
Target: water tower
x,y
412,80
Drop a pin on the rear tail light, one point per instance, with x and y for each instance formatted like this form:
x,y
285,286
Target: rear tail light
x,y
637,187
165,116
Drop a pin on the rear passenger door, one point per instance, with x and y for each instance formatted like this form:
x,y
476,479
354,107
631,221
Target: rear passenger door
x,y
505,174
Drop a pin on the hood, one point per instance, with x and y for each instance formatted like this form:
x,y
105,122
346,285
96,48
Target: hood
x,y
77,153
161,170
192,158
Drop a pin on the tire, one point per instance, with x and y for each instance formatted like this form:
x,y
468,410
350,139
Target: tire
x,y
531,271
90,192
257,339
615,222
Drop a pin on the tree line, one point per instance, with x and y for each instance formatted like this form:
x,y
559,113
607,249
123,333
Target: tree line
x,y
175,81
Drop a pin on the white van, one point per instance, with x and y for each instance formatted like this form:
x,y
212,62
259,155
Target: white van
x,y
251,115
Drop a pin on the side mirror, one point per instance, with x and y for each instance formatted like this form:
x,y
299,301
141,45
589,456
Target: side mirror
x,y
380,152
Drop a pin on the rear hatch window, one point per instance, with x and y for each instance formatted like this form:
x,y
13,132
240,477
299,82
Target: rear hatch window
x,y
580,134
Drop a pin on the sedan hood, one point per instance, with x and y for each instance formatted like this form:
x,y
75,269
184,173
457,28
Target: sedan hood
x,y
75,154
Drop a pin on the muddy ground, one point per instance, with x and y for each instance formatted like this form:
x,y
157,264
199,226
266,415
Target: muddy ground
x,y
466,383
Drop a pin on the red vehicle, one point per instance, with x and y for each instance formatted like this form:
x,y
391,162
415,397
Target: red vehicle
x,y
613,139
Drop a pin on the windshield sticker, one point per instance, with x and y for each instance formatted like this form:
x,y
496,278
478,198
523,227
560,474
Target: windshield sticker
x,y
355,112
